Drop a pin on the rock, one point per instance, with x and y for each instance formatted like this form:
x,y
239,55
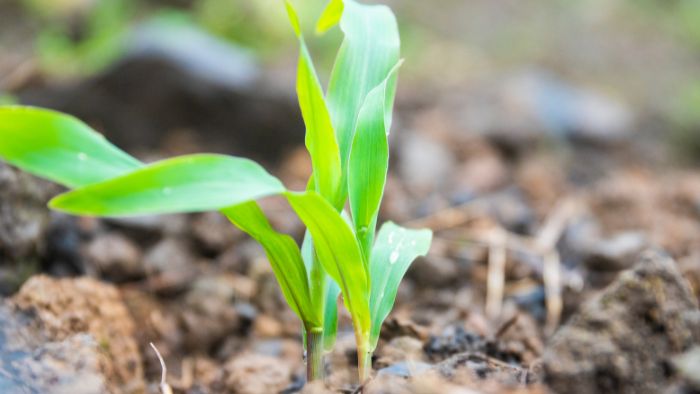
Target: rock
x,y
252,374
116,257
622,340
209,314
213,232
73,365
70,336
170,264
24,220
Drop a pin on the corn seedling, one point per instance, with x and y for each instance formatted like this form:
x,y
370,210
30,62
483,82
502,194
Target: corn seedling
x,y
346,136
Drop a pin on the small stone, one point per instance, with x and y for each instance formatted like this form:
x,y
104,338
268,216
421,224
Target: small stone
x,y
115,256
266,326
170,264
253,374
209,314
213,232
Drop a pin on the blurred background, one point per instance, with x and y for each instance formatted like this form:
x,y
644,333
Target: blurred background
x,y
547,143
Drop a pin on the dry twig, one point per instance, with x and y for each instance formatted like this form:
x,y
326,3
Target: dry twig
x,y
164,387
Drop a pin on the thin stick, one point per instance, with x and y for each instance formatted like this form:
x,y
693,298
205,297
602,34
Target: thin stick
x,y
164,387
552,288
496,274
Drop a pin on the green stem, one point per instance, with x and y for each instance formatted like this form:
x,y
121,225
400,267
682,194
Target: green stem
x,y
364,363
314,355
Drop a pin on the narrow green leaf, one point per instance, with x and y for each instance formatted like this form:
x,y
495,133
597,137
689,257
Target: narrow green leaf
x,y
59,147
338,251
394,251
285,259
368,53
192,183
330,17
369,162
320,137
330,315
293,17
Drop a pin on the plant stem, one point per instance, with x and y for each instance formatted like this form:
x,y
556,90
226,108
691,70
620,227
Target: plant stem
x,y
364,363
314,355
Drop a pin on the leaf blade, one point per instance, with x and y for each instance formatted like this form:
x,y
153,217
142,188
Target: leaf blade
x,y
394,251
370,49
284,256
59,147
330,17
191,183
338,251
369,161
320,136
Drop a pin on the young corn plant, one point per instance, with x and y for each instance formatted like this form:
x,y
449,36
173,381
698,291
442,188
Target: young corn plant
x,y
346,136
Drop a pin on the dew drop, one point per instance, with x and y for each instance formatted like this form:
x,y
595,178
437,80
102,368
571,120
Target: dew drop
x,y
82,156
167,190
391,238
394,257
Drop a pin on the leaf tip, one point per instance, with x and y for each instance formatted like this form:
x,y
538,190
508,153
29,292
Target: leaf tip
x,y
293,17
330,17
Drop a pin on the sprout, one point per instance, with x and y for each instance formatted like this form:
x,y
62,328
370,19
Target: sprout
x,y
346,136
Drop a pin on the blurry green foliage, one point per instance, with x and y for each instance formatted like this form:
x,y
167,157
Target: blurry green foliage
x,y
685,134
79,37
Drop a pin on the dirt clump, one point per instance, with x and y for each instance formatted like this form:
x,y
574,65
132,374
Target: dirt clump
x,y
80,323
622,340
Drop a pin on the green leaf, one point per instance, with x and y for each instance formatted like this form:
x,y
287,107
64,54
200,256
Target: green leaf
x,y
394,251
330,315
320,136
330,17
369,162
285,259
59,147
338,251
369,51
192,183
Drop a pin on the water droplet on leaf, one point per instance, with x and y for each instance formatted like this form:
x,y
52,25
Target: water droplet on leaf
x,y
394,257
